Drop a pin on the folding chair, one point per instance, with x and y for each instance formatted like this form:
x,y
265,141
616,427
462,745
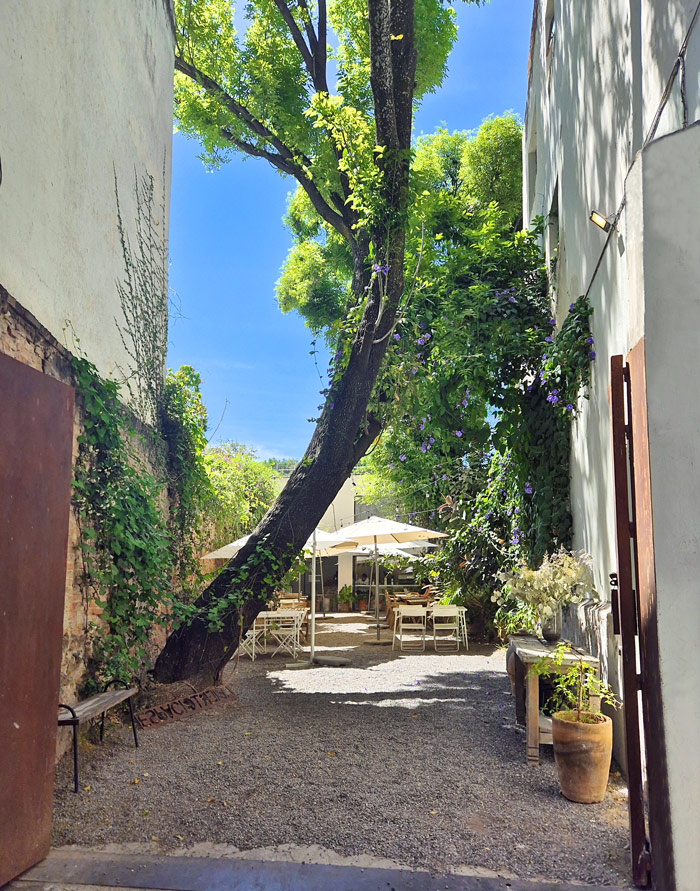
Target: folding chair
x,y
447,627
255,639
463,625
284,628
409,628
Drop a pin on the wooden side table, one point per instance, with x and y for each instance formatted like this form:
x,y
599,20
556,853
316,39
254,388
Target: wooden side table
x,y
528,650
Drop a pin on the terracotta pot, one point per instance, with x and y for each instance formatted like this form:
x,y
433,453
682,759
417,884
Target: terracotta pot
x,y
582,753
344,607
363,605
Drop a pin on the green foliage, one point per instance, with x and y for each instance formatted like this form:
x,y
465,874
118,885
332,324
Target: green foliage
x,y
573,686
184,423
124,541
345,594
243,488
492,166
481,385
526,593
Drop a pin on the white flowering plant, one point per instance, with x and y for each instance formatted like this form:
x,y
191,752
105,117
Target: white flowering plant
x,y
562,577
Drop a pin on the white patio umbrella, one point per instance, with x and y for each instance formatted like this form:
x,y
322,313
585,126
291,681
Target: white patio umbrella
x,y
227,551
378,530
323,544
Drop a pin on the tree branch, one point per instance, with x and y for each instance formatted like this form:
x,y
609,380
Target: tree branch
x,y
283,160
297,37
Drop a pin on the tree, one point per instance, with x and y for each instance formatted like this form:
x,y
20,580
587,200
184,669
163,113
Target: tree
x,y
267,94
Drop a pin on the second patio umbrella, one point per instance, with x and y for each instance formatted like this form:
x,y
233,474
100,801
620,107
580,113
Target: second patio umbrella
x,y
378,530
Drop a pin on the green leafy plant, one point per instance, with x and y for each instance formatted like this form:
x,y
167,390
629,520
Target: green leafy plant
x,y
345,594
573,686
123,537
561,578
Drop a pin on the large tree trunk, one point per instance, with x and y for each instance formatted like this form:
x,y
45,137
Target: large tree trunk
x,y
345,430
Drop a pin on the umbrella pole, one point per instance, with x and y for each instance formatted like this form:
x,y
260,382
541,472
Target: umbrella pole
x,y
313,598
376,585
323,596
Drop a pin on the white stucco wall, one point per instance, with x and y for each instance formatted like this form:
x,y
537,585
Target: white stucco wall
x,y
671,178
86,91
591,105
342,513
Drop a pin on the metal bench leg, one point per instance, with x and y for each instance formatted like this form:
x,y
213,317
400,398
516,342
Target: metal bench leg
x,y
75,757
102,727
133,722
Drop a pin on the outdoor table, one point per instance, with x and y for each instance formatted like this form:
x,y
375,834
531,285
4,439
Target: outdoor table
x,y
529,649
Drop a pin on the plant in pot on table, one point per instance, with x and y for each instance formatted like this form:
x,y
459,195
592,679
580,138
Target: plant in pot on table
x,y
535,596
582,736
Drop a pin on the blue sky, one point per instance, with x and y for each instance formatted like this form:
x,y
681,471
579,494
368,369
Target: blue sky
x,y
227,245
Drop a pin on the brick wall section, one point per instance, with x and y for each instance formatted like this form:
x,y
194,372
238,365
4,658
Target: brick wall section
x,y
24,338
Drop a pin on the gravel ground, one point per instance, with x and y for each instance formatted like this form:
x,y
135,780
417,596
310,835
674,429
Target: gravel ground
x,y
415,758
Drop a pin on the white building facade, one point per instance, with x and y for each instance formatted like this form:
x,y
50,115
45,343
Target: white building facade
x,y
613,125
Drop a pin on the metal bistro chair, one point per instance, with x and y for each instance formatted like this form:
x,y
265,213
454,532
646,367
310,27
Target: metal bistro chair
x,y
447,627
409,628
284,628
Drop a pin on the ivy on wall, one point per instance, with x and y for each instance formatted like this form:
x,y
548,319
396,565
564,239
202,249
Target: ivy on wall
x,y
123,538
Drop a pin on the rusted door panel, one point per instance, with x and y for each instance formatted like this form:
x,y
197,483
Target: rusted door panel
x,y
36,435
657,778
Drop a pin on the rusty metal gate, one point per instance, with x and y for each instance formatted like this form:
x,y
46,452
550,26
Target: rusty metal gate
x,y
36,435
634,616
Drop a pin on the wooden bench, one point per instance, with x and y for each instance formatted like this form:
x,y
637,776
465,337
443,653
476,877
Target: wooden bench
x,y
72,716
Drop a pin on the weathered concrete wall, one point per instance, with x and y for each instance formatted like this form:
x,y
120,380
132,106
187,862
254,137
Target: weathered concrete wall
x,y
86,95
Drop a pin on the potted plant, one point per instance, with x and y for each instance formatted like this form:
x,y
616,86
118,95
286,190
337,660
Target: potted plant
x,y
562,577
582,736
345,598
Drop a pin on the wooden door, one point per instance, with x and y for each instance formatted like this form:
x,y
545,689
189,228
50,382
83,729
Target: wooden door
x,y
36,436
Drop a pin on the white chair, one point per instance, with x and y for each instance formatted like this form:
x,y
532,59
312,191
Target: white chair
x,y
284,627
409,628
447,627
463,625
255,639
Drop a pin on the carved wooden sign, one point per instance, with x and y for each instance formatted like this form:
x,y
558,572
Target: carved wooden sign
x,y
179,708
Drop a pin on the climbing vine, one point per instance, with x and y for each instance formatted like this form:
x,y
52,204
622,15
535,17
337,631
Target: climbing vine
x,y
123,539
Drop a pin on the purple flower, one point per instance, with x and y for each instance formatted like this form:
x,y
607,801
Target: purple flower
x,y
459,433
592,354
397,337
391,466
402,457
571,307
421,325
444,476
552,322
379,268
424,447
414,370
421,341
511,299
589,340
544,355
465,403
549,339
431,440
427,336
569,407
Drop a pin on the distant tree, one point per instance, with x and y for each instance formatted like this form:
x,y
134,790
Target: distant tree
x,y
267,93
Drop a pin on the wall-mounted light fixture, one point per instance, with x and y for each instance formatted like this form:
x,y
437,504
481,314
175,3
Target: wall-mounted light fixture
x,y
600,221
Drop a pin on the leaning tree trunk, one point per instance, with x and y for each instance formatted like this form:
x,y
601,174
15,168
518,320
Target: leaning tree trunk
x,y
345,429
